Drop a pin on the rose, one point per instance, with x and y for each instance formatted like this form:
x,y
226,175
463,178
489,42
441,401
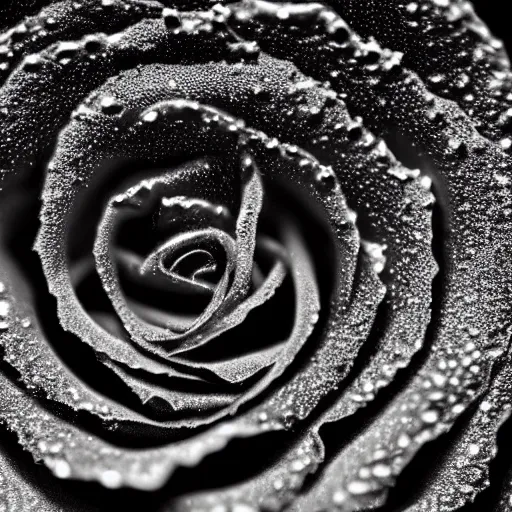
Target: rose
x,y
196,159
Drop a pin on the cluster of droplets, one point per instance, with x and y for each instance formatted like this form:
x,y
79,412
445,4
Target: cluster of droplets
x,y
486,53
66,51
22,353
35,32
172,206
356,58
17,34
209,116
287,479
299,464
135,196
214,20
320,20
95,46
431,411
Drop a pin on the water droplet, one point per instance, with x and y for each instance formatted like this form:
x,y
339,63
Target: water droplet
x,y
506,143
426,182
150,117
411,8
485,406
297,466
359,487
473,449
49,22
55,447
61,468
32,63
278,484
42,446
5,308
403,441
93,45
109,105
457,409
325,177
171,18
111,479
430,416
339,497
262,417
381,470
438,379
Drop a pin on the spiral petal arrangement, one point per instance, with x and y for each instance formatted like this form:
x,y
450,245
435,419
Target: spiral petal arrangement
x,y
254,256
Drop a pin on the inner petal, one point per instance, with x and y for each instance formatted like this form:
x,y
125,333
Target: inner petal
x,y
207,259
195,267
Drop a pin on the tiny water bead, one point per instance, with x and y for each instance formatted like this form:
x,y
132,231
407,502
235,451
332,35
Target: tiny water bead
x,y
171,18
111,479
110,106
5,308
61,468
32,63
66,51
325,177
150,116
93,45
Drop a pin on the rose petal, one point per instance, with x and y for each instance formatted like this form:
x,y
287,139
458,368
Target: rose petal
x,y
475,222
451,49
177,400
278,484
462,471
426,270
62,20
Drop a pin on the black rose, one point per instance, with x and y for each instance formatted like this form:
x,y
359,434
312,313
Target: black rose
x,y
222,291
